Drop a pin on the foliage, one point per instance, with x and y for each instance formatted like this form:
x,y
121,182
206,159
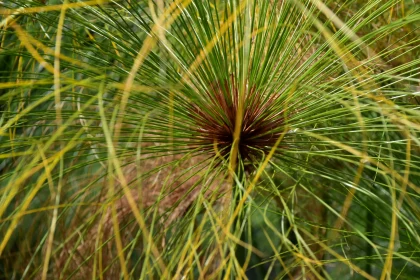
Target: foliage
x,y
209,139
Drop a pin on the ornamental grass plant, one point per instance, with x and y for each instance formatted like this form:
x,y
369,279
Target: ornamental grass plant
x,y
209,139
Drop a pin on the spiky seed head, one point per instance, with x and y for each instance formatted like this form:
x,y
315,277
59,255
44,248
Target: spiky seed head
x,y
215,118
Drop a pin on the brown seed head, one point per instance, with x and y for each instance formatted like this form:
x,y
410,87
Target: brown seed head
x,y
215,121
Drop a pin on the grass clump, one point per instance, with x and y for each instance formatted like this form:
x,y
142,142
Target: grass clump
x,y
209,139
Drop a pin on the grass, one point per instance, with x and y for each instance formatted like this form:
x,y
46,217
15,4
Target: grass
x,y
209,139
